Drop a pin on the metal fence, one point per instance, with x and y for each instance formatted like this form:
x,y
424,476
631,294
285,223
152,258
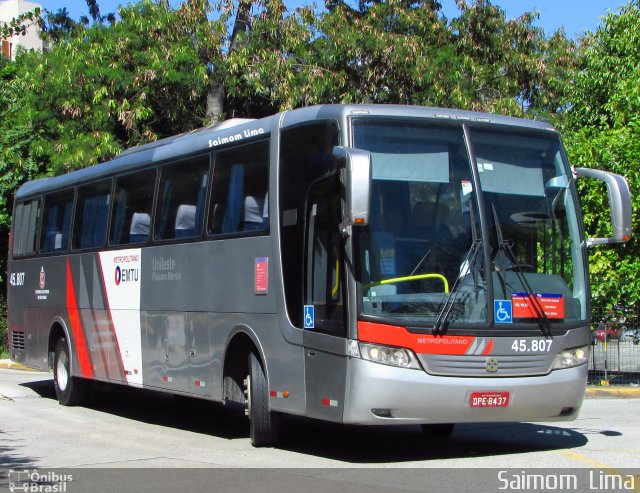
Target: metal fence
x,y
615,355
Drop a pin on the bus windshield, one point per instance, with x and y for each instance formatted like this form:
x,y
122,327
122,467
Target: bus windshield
x,y
437,217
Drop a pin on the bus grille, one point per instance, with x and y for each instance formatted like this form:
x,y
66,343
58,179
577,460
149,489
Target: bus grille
x,y
476,366
17,341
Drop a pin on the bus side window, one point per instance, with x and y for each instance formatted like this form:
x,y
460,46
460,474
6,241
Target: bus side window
x,y
181,200
239,200
133,201
92,215
56,224
25,227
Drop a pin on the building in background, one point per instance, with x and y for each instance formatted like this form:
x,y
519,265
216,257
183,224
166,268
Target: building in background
x,y
10,9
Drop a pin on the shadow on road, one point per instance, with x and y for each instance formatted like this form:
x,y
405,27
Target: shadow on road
x,y
352,444
10,460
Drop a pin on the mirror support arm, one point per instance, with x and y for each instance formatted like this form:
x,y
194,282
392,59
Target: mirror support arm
x,y
619,201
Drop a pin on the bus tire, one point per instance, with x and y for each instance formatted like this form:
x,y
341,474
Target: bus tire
x,y
263,424
69,390
439,431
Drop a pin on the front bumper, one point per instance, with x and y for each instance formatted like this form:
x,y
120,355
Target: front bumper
x,y
380,394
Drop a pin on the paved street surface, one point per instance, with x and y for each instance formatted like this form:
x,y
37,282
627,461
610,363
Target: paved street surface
x,y
155,435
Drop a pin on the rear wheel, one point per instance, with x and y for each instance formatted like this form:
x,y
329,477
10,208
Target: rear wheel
x,y
263,424
69,390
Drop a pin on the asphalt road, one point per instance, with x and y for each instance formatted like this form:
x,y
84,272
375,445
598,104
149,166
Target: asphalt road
x,y
167,444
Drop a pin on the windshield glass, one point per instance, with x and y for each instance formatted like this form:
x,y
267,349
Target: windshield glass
x,y
534,237
423,251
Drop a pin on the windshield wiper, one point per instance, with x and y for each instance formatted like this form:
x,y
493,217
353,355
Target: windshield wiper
x,y
468,265
505,247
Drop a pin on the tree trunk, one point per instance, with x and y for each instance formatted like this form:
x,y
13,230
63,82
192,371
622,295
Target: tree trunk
x,y
215,102
216,96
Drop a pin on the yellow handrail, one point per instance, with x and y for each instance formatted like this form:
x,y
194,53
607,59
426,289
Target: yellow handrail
x,y
334,291
411,278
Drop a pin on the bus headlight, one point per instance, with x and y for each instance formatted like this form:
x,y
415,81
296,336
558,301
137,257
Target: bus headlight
x,y
571,357
386,355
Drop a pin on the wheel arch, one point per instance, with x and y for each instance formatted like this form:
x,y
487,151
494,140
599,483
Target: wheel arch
x,y
240,342
57,330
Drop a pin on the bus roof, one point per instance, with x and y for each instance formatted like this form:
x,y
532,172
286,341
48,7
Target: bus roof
x,y
236,130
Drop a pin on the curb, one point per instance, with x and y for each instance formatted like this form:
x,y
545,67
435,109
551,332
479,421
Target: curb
x,y
619,392
11,365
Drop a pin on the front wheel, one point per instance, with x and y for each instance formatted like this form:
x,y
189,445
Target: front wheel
x,y
263,424
69,390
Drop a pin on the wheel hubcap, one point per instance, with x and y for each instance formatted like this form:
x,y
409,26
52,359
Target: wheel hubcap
x,y
62,373
247,396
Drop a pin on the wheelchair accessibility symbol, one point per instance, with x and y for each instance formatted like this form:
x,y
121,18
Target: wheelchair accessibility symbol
x,y
309,317
503,311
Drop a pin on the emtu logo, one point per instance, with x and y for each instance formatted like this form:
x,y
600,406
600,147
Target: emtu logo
x,y
126,275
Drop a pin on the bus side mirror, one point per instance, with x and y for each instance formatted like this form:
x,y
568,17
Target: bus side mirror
x,y
355,176
619,203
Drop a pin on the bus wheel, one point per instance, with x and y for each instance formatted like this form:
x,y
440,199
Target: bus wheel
x,y
69,390
263,424
440,431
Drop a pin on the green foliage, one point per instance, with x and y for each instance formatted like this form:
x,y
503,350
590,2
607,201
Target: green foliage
x,y
17,133
602,129
105,88
112,87
394,51
18,26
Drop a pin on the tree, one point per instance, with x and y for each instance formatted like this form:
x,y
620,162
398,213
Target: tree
x,y
399,51
602,129
111,87
105,88
17,134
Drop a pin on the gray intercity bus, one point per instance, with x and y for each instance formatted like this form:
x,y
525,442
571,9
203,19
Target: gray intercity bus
x,y
357,264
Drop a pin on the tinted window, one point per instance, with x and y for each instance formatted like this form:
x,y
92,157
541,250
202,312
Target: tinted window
x,y
25,227
240,184
56,224
90,228
133,201
183,191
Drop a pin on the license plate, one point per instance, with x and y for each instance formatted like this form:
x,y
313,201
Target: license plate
x,y
489,399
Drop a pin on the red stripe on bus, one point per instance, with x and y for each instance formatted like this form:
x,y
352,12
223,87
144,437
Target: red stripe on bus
x,y
487,350
76,327
393,335
111,326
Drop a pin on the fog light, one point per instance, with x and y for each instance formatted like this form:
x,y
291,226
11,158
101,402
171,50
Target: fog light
x,y
400,358
374,353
